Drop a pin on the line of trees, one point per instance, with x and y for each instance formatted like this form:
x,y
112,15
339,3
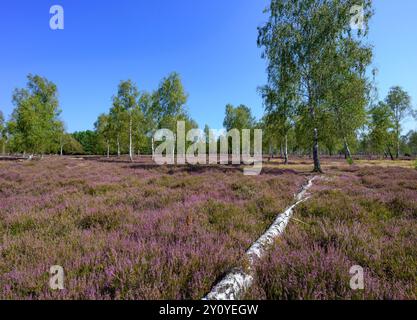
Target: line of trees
x,y
379,133
128,127
134,117
320,98
318,88
34,126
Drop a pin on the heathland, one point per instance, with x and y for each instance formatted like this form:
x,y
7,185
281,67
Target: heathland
x,y
125,230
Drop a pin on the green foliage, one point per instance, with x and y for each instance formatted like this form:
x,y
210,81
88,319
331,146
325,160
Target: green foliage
x,y
381,128
238,118
411,142
135,116
34,125
1,122
88,140
312,52
3,133
70,145
168,103
399,102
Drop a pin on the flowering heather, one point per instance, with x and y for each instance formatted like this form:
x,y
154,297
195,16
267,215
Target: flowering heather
x,y
363,216
130,231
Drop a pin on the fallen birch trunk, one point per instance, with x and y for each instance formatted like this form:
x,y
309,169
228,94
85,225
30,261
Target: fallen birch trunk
x,y
235,284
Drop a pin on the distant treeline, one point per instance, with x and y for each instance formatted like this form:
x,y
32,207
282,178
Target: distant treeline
x,y
35,127
320,98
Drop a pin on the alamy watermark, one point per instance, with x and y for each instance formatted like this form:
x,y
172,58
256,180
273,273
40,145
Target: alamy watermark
x,y
357,18
243,148
56,21
56,282
357,282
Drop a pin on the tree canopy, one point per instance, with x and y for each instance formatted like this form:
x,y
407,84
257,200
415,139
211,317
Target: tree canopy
x,y
35,123
311,51
399,102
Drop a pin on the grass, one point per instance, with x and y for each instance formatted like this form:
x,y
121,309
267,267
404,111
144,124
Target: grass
x,y
139,231
364,216
129,231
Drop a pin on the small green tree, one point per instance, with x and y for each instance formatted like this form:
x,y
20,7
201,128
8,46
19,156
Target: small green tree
x,y
33,124
127,101
88,140
169,101
238,118
412,142
103,130
279,113
381,129
118,125
70,145
400,103
169,104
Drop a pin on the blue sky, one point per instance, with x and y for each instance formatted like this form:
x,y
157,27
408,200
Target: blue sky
x,y
212,44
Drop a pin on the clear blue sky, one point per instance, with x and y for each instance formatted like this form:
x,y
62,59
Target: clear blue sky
x,y
212,44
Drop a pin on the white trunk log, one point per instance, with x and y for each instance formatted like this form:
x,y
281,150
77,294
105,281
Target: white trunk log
x,y
234,285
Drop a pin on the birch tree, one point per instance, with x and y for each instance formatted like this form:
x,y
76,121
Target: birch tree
x,y
298,39
127,100
118,123
33,124
280,112
168,103
103,129
400,103
382,129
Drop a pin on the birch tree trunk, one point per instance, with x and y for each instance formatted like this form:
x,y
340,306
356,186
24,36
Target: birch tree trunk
x,y
348,154
153,148
317,166
173,147
108,149
398,141
130,139
316,156
286,150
